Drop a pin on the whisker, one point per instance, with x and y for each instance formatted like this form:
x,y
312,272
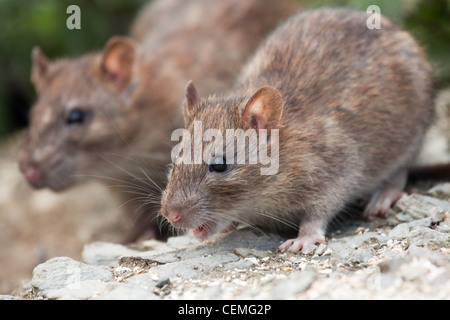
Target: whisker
x,y
151,180
126,171
230,219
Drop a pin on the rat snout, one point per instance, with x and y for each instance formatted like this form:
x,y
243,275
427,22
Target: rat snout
x,y
176,216
181,214
30,169
43,167
173,215
32,173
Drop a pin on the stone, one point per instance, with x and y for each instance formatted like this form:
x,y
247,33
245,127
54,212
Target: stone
x,y
343,248
404,217
309,248
426,237
420,206
321,249
437,215
441,191
361,255
104,253
443,227
8,297
243,252
400,232
63,276
442,260
253,244
185,269
161,283
425,222
182,241
249,252
123,291
82,290
242,264
290,288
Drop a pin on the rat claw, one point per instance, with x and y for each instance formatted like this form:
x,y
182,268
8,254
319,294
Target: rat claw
x,y
297,244
286,245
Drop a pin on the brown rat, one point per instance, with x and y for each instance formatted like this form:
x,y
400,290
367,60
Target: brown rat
x,y
351,105
109,114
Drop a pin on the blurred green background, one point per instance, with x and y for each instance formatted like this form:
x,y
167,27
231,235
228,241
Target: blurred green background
x,y
26,23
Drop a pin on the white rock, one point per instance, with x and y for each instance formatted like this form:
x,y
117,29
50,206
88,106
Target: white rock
x,y
63,276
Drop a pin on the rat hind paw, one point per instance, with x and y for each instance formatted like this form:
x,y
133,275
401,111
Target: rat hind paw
x,y
297,244
386,195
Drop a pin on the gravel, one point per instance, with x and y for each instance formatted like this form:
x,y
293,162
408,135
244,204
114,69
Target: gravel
x,y
402,256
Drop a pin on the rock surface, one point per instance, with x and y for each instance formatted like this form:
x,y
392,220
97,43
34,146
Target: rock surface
x,y
405,255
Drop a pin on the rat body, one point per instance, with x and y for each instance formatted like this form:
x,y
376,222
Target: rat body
x,y
109,114
351,105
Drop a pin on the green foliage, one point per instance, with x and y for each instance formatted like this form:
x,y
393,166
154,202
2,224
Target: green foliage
x,y
427,20
26,23
430,23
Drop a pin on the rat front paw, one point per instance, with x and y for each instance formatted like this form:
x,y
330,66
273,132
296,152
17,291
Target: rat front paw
x,y
297,244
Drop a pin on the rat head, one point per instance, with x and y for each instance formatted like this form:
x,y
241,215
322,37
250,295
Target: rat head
x,y
83,110
212,188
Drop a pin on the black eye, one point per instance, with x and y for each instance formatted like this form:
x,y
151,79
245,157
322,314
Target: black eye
x,y
76,116
219,165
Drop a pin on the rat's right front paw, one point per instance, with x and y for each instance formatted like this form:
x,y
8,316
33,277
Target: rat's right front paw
x,y
297,244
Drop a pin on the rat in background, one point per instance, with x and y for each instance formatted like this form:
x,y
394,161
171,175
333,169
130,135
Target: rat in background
x,y
352,106
108,115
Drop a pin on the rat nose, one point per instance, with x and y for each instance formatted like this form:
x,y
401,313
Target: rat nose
x,y
173,215
32,173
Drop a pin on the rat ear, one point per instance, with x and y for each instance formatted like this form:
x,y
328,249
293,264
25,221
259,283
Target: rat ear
x,y
118,62
263,110
39,69
191,102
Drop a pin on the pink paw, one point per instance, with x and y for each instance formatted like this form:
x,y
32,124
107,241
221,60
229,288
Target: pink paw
x,y
386,195
297,244
381,201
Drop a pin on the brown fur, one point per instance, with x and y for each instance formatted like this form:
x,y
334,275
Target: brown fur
x,y
131,91
357,103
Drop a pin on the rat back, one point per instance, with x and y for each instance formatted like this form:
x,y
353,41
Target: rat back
x,y
361,97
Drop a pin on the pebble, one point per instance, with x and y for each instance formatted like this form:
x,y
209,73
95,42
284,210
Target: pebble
x,y
309,249
163,282
426,237
64,277
400,232
441,191
321,249
420,206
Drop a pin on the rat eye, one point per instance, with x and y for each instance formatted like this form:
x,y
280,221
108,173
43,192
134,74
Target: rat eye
x,y
219,165
76,116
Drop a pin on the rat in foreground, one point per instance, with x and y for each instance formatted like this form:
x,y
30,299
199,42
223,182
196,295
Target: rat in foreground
x,y
108,115
351,106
